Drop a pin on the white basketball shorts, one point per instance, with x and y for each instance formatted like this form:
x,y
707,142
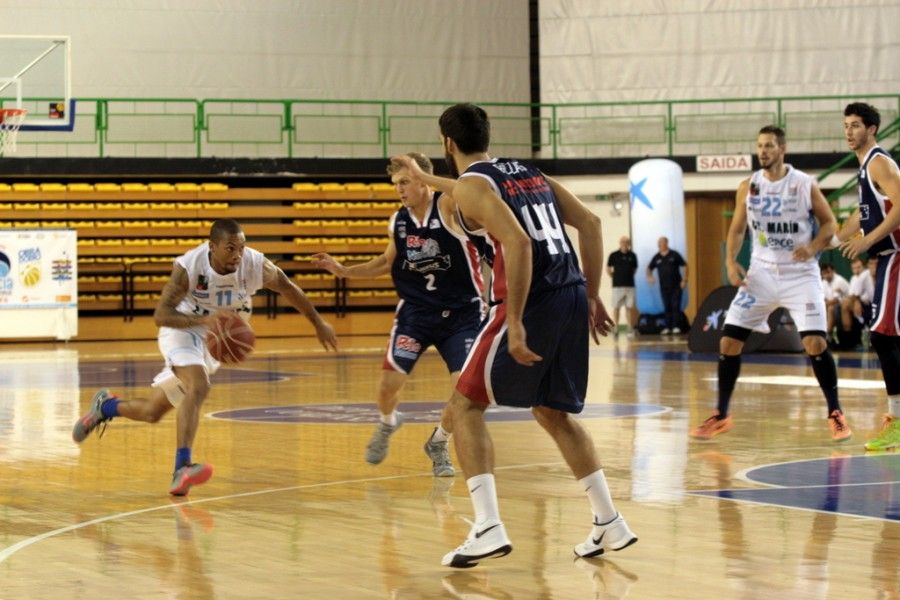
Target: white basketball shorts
x,y
182,348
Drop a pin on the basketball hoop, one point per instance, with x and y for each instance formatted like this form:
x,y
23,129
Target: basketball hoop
x,y
10,121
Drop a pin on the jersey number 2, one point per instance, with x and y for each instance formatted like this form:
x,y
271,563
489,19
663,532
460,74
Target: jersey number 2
x,y
430,285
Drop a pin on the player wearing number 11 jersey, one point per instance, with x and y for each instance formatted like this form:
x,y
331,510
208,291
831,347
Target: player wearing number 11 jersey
x,y
780,205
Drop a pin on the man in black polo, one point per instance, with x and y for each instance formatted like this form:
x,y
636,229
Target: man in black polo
x,y
621,266
671,282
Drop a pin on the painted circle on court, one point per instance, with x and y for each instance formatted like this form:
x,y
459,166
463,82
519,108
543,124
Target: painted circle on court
x,y
413,412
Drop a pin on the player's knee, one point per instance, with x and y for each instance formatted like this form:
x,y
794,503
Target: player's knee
x,y
730,346
814,342
196,391
548,418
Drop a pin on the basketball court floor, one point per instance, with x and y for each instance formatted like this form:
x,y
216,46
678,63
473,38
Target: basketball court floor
x,y
773,509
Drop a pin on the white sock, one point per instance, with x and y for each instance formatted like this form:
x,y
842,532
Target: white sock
x,y
483,492
390,419
894,405
598,493
440,434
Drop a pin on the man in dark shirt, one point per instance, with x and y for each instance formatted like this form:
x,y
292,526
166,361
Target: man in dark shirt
x,y
671,282
621,266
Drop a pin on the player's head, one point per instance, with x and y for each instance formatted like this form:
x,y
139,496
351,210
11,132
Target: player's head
x,y
412,192
861,123
857,266
465,129
827,271
770,146
226,245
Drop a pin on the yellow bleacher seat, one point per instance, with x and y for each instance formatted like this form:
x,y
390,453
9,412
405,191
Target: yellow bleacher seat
x,y
87,297
360,294
6,224
332,187
214,206
109,206
359,205
381,187
357,187
137,242
87,260
54,224
25,187
315,294
301,258
163,242
106,242
308,277
52,187
6,206
135,224
306,187
162,206
208,224
136,205
108,187
160,224
188,206
384,294
5,187
26,206
54,206
26,224
134,187
108,297
87,279
307,205
307,223
141,279
187,187
80,187
108,224
108,278
81,206
81,224
214,187
162,187
191,224
159,278
107,259
84,242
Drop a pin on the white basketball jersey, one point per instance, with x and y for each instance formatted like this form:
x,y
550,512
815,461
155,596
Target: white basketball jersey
x,y
209,291
780,216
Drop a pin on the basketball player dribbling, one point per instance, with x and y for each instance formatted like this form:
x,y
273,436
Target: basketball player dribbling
x,y
221,274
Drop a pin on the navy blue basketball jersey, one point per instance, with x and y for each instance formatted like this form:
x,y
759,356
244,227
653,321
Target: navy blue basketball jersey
x,y
874,206
435,266
528,194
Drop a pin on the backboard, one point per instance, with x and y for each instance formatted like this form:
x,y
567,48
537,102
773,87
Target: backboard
x,y
35,74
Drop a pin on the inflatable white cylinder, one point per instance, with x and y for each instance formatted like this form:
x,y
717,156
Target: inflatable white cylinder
x,y
657,210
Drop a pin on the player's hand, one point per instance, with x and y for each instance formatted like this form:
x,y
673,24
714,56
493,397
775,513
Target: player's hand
x,y
415,171
803,253
651,280
518,349
736,274
327,262
855,246
325,333
599,320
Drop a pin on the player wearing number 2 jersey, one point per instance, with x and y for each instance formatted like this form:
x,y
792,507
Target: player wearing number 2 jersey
x,y
533,349
781,206
437,274
221,274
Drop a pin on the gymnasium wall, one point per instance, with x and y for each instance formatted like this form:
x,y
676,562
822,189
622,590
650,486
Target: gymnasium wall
x,y
316,49
687,49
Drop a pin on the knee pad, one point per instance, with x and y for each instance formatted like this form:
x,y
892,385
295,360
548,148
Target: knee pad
x,y
736,332
171,387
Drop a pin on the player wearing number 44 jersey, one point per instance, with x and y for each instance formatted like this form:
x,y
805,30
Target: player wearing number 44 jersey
x,y
437,274
221,274
533,348
781,206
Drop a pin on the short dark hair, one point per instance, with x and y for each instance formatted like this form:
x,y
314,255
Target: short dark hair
x,y
826,266
775,130
867,112
223,228
423,161
468,126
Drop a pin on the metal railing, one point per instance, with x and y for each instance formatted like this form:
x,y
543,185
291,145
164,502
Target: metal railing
x,y
240,127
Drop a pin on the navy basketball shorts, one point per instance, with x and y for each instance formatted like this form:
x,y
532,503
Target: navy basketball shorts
x,y
556,326
885,317
451,331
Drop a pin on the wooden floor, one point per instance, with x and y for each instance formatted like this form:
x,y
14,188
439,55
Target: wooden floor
x,y
771,510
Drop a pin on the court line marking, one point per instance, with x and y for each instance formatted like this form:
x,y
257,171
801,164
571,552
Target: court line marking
x,y
784,506
742,474
21,545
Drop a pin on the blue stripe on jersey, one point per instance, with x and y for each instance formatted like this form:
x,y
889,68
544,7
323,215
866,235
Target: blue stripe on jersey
x,y
434,267
871,211
528,194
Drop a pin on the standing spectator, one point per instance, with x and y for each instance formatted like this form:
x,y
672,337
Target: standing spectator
x,y
671,282
836,289
621,266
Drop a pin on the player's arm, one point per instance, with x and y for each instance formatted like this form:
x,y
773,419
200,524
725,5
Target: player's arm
x,y
684,275
276,280
590,247
480,205
735,236
441,184
850,228
378,266
827,226
165,314
886,176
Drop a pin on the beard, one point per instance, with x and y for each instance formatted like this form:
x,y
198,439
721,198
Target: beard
x,y
451,165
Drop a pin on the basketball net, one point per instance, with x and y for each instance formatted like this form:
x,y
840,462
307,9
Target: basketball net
x,y
10,121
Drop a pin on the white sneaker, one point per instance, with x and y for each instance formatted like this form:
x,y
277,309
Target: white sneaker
x,y
490,541
665,331
676,331
614,535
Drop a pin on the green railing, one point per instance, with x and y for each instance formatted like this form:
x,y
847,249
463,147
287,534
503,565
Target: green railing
x,y
239,127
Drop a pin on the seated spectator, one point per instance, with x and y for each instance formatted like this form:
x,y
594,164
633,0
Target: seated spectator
x,y
855,306
835,288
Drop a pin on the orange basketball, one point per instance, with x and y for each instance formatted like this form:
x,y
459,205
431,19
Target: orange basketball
x,y
230,339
